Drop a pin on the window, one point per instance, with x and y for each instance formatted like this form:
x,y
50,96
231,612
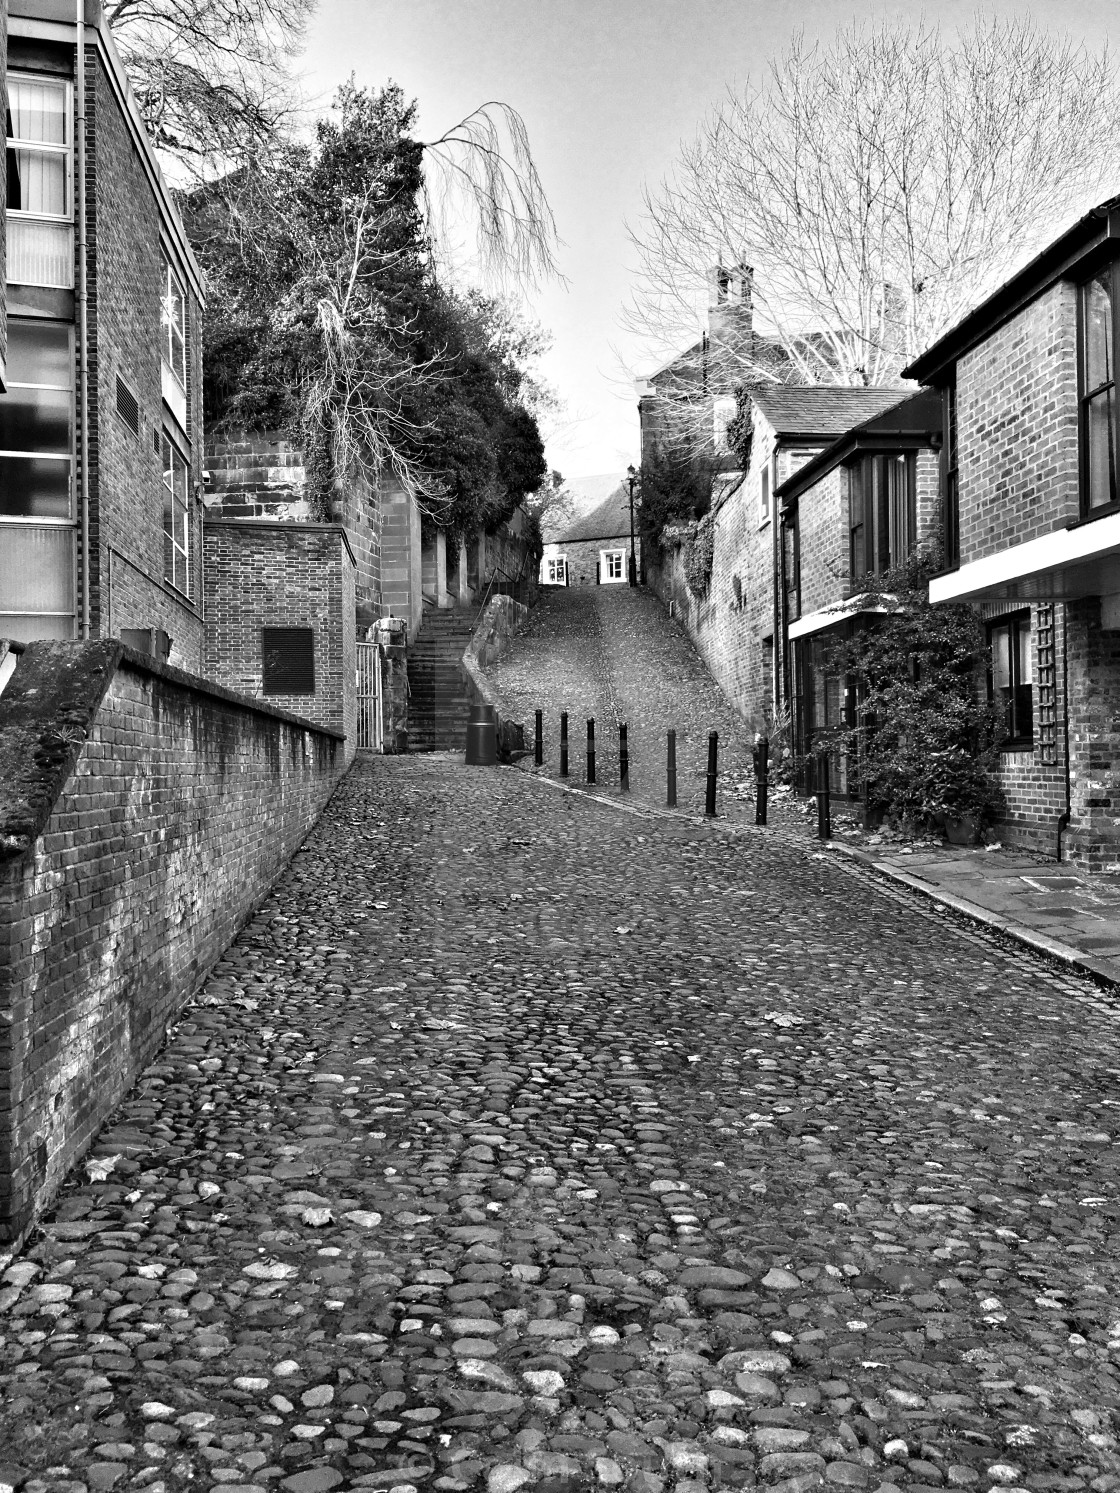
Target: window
x,y
764,495
36,422
40,211
791,566
881,513
173,322
1010,678
128,406
288,660
951,513
176,516
613,560
1098,400
557,570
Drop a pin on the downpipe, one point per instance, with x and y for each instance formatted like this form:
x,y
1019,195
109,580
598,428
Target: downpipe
x,y
83,310
1064,817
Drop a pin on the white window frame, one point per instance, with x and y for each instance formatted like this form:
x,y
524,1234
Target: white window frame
x,y
610,559
169,444
557,570
65,150
765,496
173,379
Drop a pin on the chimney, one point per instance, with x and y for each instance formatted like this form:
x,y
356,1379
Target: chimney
x,y
730,308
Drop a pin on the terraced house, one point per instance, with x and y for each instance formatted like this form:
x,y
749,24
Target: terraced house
x,y
858,508
1032,513
100,521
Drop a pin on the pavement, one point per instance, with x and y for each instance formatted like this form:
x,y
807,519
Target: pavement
x,y
616,652
522,1142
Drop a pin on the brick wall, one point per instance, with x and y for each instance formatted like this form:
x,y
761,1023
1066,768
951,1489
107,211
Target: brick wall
x,y
1017,428
126,471
1093,662
823,519
261,475
127,865
261,574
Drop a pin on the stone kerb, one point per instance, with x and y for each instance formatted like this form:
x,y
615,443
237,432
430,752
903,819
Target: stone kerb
x,y
501,620
144,814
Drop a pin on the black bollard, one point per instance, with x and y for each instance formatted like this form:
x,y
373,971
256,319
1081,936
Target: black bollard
x,y
824,817
538,740
671,796
563,743
710,797
623,758
591,751
761,780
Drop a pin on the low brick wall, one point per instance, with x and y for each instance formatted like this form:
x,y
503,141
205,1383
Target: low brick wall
x,y
143,816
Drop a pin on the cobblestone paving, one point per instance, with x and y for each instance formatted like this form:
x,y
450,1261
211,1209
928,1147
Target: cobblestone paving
x,y
617,655
519,1142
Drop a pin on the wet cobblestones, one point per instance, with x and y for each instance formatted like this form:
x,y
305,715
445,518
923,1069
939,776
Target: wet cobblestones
x,y
522,1143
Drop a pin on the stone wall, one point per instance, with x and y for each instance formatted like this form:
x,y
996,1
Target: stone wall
x,y
143,816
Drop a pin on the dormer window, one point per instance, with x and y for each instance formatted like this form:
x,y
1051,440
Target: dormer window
x,y
1098,393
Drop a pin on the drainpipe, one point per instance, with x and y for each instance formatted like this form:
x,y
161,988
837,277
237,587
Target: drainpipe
x,y
83,324
1064,818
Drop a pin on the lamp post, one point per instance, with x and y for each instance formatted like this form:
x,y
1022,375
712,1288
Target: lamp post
x,y
632,477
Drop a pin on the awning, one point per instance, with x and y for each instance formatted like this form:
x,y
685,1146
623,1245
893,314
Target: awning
x,y
1083,560
830,616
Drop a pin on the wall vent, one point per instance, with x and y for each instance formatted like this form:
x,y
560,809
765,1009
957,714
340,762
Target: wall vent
x,y
127,406
287,661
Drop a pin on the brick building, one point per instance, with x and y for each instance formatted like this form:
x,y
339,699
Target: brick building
x,y
280,606
595,549
858,508
1032,514
100,520
754,587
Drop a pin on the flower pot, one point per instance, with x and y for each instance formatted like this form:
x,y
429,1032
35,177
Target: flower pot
x,y
962,829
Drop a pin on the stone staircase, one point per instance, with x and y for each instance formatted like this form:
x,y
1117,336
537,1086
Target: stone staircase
x,y
438,702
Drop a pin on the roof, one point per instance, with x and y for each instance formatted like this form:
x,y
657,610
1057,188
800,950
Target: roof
x,y
587,493
1082,242
609,520
912,421
820,411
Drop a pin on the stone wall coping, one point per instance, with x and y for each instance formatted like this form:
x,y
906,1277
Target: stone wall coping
x,y
45,717
283,526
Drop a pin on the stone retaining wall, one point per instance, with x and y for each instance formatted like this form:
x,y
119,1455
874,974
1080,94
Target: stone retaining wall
x,y
143,815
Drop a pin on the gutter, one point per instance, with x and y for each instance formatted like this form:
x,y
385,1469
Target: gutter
x,y
83,312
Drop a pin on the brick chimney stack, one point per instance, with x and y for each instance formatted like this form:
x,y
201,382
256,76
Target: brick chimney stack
x,y
730,308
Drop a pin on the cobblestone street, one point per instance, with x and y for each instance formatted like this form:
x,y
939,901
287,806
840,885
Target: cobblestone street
x,y
615,654
520,1142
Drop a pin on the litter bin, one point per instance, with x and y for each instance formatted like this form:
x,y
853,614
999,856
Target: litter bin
x,y
482,736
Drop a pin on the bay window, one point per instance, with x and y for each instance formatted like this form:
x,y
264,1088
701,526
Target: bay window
x,y
40,244
1098,392
881,513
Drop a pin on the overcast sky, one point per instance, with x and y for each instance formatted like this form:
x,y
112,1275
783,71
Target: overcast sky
x,y
608,89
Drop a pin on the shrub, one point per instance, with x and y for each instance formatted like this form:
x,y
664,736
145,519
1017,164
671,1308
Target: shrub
x,y
927,740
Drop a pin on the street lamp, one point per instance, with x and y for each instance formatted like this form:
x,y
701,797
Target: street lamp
x,y
632,477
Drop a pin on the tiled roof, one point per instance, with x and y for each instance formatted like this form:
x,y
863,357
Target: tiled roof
x,y
822,409
608,521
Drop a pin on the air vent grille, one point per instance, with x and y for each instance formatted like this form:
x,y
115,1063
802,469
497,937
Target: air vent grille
x,y
127,406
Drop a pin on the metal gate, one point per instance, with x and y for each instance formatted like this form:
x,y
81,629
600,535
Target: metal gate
x,y
370,737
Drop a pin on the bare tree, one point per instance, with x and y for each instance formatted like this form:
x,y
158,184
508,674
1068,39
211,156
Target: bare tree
x,y
879,186
212,77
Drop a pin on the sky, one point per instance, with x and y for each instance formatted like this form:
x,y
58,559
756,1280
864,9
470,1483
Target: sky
x,y
608,90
